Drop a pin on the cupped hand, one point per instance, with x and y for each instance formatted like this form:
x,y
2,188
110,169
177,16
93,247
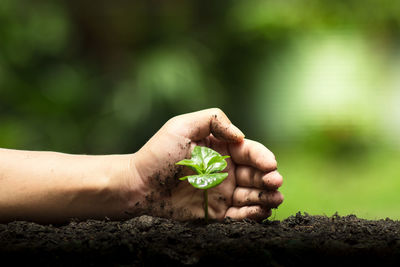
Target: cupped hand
x,y
249,191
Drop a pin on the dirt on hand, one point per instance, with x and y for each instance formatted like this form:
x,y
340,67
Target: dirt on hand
x,y
153,241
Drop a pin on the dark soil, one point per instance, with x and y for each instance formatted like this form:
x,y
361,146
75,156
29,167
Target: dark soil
x,y
151,241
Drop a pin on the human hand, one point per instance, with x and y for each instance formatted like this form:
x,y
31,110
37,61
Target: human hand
x,y
249,191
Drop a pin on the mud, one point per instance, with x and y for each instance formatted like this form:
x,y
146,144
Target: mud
x,y
151,241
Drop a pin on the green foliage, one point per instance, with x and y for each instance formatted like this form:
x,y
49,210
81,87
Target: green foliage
x,y
207,163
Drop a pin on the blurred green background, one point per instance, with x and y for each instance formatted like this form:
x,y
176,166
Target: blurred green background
x,y
318,82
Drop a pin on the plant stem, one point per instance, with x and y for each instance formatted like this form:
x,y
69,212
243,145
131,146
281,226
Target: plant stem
x,y
206,205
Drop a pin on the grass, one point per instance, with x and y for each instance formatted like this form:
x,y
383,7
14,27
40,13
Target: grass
x,y
366,184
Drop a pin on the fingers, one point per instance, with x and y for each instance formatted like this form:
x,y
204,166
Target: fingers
x,y
255,204
243,196
252,153
250,177
199,125
256,213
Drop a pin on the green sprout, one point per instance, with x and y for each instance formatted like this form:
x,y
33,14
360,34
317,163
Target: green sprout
x,y
207,163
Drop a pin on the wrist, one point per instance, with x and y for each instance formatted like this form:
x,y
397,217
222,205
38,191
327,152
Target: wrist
x,y
127,185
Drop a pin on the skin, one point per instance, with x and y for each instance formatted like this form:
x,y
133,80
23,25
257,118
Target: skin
x,y
54,187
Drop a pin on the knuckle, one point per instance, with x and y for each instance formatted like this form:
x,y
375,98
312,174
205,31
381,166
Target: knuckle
x,y
176,118
218,116
216,111
236,194
247,195
173,122
269,198
246,176
253,210
238,197
241,172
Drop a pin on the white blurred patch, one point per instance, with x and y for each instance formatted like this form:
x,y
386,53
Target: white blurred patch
x,y
325,79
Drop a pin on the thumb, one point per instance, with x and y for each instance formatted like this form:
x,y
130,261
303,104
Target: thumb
x,y
198,125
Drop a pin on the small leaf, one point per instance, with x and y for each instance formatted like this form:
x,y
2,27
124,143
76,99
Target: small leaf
x,y
207,163
206,181
216,164
191,164
208,160
197,157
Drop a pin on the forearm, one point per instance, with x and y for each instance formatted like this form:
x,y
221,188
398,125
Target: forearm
x,y
50,187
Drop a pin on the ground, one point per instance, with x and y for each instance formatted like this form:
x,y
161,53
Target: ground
x,y
152,241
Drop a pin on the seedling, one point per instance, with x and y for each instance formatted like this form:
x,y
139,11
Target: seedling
x,y
207,163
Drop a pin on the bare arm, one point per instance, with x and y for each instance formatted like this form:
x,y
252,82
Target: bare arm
x,y
51,187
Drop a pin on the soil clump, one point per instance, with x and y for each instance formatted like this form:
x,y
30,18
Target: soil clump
x,y
153,241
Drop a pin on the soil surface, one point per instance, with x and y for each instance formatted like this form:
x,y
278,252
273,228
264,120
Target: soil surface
x,y
152,241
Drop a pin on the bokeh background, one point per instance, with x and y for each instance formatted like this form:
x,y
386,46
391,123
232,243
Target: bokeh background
x,y
317,81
